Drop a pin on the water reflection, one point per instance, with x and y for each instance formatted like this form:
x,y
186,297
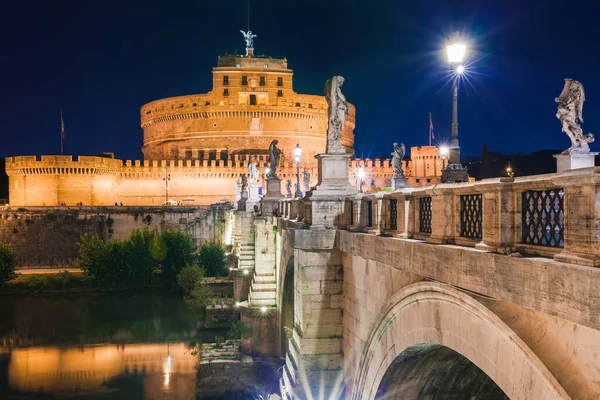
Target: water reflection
x,y
132,345
141,371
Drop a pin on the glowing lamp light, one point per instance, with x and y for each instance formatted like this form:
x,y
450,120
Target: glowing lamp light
x,y
297,152
263,309
361,174
456,50
444,151
460,69
267,170
237,303
245,272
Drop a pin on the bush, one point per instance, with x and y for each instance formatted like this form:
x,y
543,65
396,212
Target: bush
x,y
97,260
239,330
211,257
200,297
180,253
8,263
188,278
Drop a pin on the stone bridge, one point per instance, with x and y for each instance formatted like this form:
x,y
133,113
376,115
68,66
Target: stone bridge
x,y
484,290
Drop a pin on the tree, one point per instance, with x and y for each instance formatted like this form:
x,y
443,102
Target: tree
x,y
8,263
96,260
188,278
180,253
211,257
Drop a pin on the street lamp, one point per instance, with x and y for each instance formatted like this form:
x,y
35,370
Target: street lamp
x,y
167,178
444,154
509,171
360,176
297,156
456,50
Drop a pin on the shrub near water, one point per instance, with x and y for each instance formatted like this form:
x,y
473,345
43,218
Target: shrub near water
x,y
8,263
211,257
133,261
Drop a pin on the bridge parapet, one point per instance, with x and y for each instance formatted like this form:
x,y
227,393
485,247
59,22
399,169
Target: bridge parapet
x,y
553,215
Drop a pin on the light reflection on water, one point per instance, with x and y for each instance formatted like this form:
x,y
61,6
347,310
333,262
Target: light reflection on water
x,y
132,371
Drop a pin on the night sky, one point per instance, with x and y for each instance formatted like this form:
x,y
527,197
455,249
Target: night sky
x,y
101,61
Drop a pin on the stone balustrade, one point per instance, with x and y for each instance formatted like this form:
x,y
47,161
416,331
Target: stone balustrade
x,y
553,215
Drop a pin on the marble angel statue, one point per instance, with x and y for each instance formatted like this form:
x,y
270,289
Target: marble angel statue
x,y
570,108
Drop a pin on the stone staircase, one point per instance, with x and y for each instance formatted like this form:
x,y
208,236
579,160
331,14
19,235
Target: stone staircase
x,y
263,291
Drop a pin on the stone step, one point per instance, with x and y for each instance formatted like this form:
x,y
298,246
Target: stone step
x,y
261,302
265,279
264,287
262,295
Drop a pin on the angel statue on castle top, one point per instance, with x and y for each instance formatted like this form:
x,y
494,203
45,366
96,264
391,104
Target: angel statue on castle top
x,y
249,37
570,111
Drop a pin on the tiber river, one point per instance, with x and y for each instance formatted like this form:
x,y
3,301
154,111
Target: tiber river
x,y
129,345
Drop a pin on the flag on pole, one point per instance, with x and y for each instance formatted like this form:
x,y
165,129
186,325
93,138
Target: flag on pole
x,y
62,131
431,135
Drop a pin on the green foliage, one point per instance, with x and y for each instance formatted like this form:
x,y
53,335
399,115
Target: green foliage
x,y
200,297
133,261
61,282
211,257
147,219
239,330
109,221
188,278
180,253
8,263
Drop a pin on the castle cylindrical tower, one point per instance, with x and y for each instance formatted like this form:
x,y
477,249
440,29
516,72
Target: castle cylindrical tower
x,y
252,103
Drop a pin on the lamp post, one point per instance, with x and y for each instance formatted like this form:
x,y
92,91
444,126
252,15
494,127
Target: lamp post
x,y
455,172
443,154
360,176
509,171
167,178
297,156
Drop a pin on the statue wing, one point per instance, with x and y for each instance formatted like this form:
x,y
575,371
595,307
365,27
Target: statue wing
x,y
244,33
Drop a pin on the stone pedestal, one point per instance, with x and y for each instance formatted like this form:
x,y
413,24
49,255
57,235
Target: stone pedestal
x,y
241,204
268,204
399,182
254,198
455,173
565,162
326,200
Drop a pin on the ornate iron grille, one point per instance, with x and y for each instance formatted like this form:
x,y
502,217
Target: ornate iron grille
x,y
425,214
544,218
369,213
393,214
470,216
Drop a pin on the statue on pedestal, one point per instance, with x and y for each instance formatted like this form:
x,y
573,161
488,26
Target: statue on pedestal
x,y
244,186
238,189
288,188
249,38
306,178
337,113
570,107
253,173
274,156
397,157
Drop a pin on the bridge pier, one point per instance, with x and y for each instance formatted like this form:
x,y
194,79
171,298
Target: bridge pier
x,y
315,360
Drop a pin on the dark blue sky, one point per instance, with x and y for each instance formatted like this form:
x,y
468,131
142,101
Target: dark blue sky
x,y
101,61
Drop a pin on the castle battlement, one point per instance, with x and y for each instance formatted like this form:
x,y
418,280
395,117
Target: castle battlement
x,y
62,165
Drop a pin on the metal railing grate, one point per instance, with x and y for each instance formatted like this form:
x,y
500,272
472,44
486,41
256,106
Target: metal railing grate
x,y
369,214
393,214
425,215
470,216
543,218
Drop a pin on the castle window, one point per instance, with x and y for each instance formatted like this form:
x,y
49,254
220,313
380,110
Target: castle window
x,y
225,92
280,93
280,81
244,80
297,104
266,66
207,103
262,81
225,80
252,99
237,65
194,104
310,106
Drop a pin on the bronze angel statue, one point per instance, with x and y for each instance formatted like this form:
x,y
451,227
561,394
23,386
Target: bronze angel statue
x,y
249,38
274,156
570,108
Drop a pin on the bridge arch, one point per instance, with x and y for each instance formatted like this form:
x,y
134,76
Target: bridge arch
x,y
431,314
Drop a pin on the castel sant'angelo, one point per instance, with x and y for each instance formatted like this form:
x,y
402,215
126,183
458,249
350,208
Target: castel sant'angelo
x,y
197,146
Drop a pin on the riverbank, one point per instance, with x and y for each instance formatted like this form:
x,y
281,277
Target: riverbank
x,y
67,282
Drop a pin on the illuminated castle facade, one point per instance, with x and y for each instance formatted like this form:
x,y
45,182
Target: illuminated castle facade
x,y
197,146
